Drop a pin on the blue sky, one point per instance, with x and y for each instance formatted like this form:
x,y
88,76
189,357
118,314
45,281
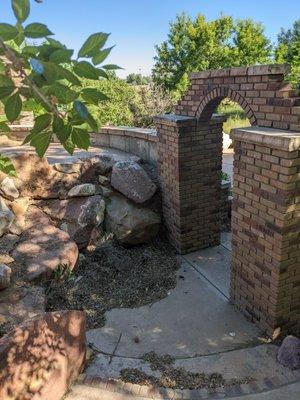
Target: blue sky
x,y
137,25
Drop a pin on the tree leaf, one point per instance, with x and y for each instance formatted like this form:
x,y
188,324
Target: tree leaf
x,y
6,91
61,56
6,81
8,32
40,141
64,94
7,166
41,123
64,133
4,127
50,72
95,41
92,123
21,9
69,146
85,70
81,109
102,73
101,55
68,75
110,67
36,30
13,107
81,138
37,66
92,95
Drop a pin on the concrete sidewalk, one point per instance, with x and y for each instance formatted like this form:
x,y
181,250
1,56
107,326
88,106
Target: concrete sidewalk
x,y
199,328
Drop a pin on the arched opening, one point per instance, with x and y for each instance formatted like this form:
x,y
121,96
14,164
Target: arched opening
x,y
236,113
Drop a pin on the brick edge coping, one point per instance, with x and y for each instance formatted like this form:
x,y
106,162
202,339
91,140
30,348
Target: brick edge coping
x,y
159,393
133,132
265,69
269,137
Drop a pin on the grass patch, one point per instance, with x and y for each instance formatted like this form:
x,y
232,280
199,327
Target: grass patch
x,y
236,117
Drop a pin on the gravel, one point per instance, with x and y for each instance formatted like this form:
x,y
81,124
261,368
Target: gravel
x,y
176,378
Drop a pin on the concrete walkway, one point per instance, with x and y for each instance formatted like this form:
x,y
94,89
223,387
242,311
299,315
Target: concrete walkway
x,y
199,328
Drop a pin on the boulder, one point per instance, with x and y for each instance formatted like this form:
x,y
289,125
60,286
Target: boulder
x,y
68,168
289,352
83,190
18,303
42,249
130,224
6,217
37,179
8,189
40,358
7,244
5,273
78,216
132,181
19,207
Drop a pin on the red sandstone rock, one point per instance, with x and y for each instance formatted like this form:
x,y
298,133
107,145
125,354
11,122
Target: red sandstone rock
x,y
42,357
37,179
42,249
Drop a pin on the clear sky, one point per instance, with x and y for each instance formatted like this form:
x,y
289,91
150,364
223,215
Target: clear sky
x,y
136,26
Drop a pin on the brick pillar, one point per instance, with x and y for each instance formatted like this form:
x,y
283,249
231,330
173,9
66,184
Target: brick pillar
x,y
265,282
189,167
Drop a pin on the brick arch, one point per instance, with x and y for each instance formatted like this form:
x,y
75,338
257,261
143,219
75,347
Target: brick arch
x,y
265,212
213,98
261,91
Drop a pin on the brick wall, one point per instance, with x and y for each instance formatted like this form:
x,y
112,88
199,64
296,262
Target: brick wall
x,y
266,216
189,168
260,90
265,281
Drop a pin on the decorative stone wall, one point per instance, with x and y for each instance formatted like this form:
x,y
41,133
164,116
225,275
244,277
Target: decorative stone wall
x,y
141,142
265,281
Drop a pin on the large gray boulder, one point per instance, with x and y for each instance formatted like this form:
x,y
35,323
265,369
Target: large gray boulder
x,y
132,181
130,224
289,352
78,216
6,217
83,190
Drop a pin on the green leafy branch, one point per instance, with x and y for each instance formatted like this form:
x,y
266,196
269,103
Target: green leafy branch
x,y
46,78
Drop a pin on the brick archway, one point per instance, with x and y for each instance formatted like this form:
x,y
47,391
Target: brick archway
x,y
265,277
212,100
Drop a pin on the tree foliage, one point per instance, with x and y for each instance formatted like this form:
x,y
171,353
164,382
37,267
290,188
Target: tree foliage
x,y
128,104
198,44
45,76
288,51
138,79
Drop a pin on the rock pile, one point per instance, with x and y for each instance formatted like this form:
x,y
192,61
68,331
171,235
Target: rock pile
x,y
57,210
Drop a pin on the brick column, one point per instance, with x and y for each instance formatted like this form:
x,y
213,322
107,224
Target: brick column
x,y
265,282
189,167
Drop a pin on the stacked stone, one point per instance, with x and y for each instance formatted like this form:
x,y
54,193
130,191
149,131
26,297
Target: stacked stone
x,y
189,167
265,281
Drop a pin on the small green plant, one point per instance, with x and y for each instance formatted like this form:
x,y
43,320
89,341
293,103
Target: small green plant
x,y
225,176
43,75
63,271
